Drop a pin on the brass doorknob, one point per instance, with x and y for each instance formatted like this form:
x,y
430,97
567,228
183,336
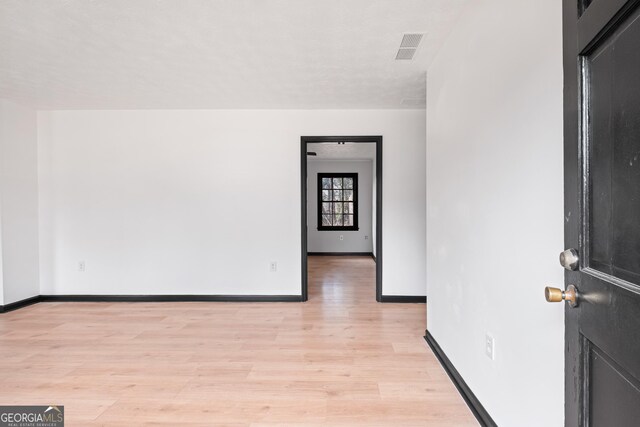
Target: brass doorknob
x,y
558,295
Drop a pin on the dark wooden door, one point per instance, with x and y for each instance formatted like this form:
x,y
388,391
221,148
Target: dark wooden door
x,y
602,211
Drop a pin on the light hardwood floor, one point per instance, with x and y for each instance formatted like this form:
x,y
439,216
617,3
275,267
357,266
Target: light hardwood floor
x,y
341,359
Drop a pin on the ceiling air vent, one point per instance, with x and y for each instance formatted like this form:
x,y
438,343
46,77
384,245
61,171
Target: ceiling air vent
x,y
411,40
405,53
409,45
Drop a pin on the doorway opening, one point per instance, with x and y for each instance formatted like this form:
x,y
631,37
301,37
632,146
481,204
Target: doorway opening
x,y
330,200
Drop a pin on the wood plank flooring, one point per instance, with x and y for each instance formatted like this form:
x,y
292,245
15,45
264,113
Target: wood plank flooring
x,y
341,359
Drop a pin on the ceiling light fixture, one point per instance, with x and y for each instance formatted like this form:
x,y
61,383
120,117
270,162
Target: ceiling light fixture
x,y
414,102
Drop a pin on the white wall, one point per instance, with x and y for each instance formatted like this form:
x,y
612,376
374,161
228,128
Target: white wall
x,y
374,205
199,202
495,206
329,241
18,203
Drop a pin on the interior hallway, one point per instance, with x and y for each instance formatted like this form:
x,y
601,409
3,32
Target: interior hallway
x,y
339,359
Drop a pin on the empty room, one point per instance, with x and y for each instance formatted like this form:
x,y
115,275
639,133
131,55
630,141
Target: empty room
x,y
319,213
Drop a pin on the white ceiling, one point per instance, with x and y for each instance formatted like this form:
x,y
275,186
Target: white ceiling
x,y
129,54
346,151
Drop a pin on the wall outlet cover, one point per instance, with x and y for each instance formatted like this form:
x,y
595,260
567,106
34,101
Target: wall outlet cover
x,y
490,347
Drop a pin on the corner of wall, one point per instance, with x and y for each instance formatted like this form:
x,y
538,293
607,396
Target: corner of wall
x,y
18,202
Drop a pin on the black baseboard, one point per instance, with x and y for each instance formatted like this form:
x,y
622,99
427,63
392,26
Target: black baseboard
x,y
19,304
404,299
170,298
341,254
472,401
148,298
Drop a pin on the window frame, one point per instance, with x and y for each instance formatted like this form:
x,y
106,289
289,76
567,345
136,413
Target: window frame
x,y
354,176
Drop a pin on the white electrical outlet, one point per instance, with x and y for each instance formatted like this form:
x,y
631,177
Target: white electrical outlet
x,y
366,237
490,347
341,237
81,266
273,266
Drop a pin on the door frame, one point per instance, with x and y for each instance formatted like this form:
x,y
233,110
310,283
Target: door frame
x,y
572,176
304,140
